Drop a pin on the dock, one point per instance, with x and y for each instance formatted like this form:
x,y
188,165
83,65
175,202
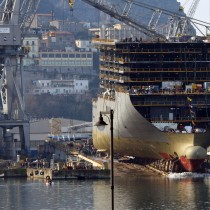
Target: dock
x,y
68,174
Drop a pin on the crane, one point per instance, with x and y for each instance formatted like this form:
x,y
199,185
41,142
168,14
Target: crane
x,y
190,14
182,25
124,13
15,19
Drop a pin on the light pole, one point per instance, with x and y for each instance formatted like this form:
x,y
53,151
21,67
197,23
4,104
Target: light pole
x,y
102,123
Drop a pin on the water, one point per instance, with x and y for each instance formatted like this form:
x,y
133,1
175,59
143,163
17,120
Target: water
x,y
186,191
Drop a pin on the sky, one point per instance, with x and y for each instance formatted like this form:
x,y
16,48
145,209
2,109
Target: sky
x,y
202,12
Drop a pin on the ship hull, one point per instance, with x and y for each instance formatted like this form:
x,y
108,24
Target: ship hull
x,y
136,136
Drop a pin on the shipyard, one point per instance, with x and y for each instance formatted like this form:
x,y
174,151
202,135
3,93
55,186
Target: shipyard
x,y
104,104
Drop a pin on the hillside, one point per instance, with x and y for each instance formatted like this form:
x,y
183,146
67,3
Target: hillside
x,y
70,106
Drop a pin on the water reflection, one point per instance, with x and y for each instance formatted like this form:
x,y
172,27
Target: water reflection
x,y
131,193
163,193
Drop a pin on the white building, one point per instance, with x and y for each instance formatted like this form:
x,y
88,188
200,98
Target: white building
x,y
32,43
85,45
60,87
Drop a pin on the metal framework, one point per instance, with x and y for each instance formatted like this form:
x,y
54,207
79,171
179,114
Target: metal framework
x,y
176,25
15,18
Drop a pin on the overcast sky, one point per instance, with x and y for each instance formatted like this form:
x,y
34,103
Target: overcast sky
x,y
203,9
202,12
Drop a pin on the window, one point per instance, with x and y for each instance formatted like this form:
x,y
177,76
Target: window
x,y
58,55
83,55
77,55
51,55
65,55
44,55
32,42
71,55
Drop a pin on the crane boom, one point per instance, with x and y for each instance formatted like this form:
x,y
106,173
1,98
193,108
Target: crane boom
x,y
193,8
11,12
112,11
176,20
185,23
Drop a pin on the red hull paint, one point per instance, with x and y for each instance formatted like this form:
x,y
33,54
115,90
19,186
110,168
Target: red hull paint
x,y
165,156
191,165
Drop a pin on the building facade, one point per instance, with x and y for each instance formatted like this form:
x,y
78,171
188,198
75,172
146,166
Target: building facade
x,y
32,43
60,87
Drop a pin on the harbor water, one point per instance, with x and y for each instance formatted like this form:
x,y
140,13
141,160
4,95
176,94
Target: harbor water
x,y
186,191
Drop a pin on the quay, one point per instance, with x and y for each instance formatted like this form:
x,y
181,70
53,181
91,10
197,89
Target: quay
x,y
38,173
60,160
77,167
68,174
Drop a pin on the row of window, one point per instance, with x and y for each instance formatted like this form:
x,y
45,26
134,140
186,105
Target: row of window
x,y
49,84
66,55
66,63
58,91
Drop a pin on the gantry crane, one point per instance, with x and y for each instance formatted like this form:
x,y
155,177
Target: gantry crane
x,y
15,19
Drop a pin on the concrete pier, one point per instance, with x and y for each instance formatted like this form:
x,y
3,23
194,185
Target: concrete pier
x,y
68,174
39,173
13,173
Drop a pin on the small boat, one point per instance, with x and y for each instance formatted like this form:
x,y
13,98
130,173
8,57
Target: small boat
x,y
48,180
2,175
48,183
